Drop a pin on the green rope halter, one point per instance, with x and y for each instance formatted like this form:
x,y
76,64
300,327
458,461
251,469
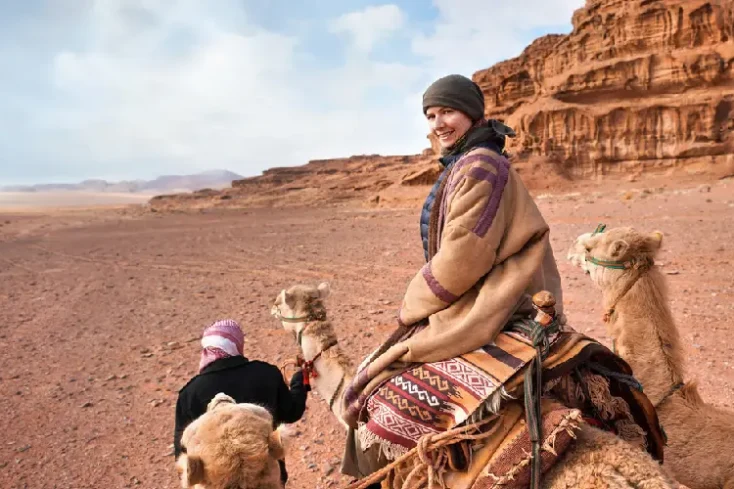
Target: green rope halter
x,y
615,265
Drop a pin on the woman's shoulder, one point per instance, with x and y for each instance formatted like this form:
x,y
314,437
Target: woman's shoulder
x,y
484,153
481,158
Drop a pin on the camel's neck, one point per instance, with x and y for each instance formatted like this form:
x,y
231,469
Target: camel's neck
x,y
333,368
645,333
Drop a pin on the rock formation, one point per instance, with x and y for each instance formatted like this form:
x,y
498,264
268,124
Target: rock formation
x,y
370,179
638,85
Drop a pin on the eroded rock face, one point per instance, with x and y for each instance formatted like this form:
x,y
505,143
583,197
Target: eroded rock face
x,y
637,85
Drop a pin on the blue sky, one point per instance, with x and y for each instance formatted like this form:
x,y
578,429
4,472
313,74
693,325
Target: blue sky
x,y
125,89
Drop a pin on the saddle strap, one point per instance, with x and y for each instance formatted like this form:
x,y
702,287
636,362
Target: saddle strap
x,y
533,384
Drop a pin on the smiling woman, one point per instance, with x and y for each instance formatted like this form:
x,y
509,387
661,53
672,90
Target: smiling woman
x,y
487,252
448,124
452,105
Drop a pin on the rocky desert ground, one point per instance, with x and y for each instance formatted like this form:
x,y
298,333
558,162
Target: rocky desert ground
x,y
101,311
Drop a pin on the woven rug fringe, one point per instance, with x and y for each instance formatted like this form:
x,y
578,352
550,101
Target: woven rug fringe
x,y
389,450
490,407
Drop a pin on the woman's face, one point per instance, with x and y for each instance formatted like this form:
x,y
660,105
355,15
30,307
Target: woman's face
x,y
447,124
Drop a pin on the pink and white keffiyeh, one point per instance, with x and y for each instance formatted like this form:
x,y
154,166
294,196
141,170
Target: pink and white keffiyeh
x,y
222,339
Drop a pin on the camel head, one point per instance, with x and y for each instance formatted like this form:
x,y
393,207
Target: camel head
x,y
301,311
299,304
231,446
607,255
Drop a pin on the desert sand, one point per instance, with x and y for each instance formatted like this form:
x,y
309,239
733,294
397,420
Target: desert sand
x,y
101,311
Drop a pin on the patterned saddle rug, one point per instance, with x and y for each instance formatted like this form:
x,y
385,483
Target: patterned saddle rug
x,y
434,397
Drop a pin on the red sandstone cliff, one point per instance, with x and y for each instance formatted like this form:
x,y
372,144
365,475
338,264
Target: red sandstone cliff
x,y
637,85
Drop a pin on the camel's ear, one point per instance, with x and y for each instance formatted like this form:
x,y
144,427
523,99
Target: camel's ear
x,y
194,472
275,446
219,400
324,290
655,240
618,248
289,299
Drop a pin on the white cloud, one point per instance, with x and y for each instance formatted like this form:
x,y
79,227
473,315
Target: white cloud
x,y
151,87
369,26
235,100
474,34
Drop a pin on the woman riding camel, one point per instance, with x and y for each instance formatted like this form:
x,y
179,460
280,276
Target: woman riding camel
x,y
487,252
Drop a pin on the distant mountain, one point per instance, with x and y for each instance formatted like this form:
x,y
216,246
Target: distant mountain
x,y
167,183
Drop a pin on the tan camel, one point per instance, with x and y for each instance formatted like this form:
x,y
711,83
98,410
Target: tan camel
x,y
231,446
597,459
700,450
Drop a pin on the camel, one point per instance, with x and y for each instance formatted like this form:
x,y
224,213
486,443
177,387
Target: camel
x,y
231,446
620,262
596,459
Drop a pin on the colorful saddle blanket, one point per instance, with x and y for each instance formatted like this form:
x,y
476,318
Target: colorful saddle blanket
x,y
434,397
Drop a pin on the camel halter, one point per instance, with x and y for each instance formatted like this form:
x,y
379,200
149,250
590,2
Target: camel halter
x,y
307,366
642,265
310,317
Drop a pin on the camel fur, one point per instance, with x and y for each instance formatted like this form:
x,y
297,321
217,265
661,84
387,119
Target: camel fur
x,y
597,459
231,446
700,450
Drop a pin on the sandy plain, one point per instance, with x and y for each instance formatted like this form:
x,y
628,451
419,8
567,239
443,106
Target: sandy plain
x,y
101,311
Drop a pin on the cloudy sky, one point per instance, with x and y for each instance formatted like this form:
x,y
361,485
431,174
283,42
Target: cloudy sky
x,y
123,89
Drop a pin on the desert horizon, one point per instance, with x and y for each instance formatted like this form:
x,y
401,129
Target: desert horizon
x,y
48,201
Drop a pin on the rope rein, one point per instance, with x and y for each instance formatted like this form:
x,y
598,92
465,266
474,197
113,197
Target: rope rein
x,y
672,390
433,457
539,331
642,267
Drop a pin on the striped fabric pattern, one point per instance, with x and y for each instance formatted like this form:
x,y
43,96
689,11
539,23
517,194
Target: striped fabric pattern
x,y
436,287
483,167
498,182
433,397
